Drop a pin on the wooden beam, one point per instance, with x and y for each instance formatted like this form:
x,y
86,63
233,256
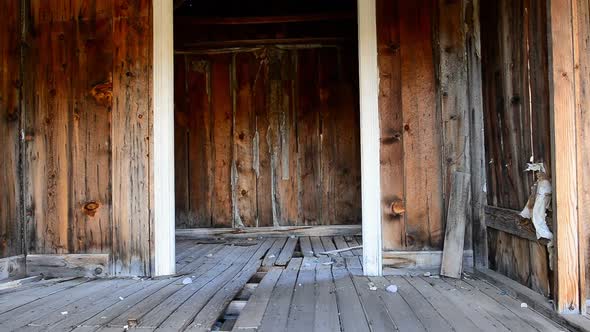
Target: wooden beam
x,y
369,120
163,142
422,260
72,265
334,16
259,42
509,221
335,230
564,49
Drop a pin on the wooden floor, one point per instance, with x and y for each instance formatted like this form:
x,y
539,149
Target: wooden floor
x,y
266,284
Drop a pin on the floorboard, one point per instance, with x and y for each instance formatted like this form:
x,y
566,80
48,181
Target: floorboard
x,y
263,284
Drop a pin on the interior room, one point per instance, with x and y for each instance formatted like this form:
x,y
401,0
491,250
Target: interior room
x,y
294,165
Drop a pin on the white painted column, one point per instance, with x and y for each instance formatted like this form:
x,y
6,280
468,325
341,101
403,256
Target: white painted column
x,y
369,118
163,138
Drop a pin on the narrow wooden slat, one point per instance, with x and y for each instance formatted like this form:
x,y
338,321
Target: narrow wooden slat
x,y
457,319
302,308
317,245
305,245
326,306
277,312
427,314
328,244
287,252
352,316
251,316
274,252
23,297
27,313
377,314
341,244
399,310
484,320
452,259
532,318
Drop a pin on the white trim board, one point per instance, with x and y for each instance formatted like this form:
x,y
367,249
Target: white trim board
x,y
370,145
163,143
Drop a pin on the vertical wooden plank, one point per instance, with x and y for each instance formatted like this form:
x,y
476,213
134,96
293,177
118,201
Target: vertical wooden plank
x,y
581,13
221,126
10,113
328,115
50,125
244,75
260,145
161,152
131,132
422,144
90,138
347,149
563,35
199,145
478,149
369,138
307,137
287,174
453,99
181,132
391,123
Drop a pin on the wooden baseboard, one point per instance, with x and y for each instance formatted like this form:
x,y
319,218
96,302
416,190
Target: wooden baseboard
x,y
12,267
534,300
429,261
69,265
201,233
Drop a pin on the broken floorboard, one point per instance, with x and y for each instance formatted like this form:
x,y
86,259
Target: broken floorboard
x,y
224,286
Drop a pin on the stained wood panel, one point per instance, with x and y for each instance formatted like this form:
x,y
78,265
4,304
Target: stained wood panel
x,y
421,140
283,142
10,123
87,128
516,114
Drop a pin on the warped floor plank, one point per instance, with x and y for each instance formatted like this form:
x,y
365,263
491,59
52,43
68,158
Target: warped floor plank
x,y
279,284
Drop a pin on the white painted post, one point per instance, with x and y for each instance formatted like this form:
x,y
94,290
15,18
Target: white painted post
x,y
163,139
369,118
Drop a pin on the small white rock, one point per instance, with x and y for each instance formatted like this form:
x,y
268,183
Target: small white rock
x,y
64,312
391,288
121,298
271,256
427,274
524,305
187,281
372,286
209,255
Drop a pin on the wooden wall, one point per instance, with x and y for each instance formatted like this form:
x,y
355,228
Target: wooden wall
x,y
87,113
267,137
517,126
10,123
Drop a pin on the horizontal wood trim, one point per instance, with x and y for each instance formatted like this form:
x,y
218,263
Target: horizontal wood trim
x,y
509,221
422,260
12,267
336,16
72,265
202,233
257,42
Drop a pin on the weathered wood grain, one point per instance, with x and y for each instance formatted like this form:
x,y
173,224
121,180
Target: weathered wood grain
x,y
457,215
421,141
391,123
10,111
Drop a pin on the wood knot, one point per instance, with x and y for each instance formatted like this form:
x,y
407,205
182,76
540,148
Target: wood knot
x,y
398,208
244,192
103,94
407,127
90,208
